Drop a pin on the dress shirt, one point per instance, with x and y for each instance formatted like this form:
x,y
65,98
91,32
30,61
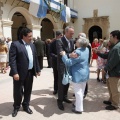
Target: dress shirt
x,y
67,41
30,54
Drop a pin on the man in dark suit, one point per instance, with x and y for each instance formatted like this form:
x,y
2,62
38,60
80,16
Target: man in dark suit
x,y
53,53
24,65
65,44
40,46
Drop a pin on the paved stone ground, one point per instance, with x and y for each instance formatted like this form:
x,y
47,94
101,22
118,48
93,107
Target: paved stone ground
x,y
43,102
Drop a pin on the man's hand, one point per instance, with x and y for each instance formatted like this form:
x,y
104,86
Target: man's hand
x,y
16,77
62,53
95,50
73,55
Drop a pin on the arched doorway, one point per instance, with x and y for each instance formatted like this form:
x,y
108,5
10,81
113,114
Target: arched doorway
x,y
47,29
94,32
19,22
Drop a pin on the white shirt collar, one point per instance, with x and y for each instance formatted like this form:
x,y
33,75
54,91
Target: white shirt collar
x,y
24,42
66,38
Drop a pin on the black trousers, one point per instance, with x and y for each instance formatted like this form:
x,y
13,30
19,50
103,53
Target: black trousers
x,y
62,89
55,74
49,61
40,60
22,88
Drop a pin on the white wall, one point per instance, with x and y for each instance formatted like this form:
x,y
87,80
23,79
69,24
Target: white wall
x,y
105,8
6,10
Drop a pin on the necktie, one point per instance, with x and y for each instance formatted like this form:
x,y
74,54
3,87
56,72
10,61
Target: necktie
x,y
69,44
30,56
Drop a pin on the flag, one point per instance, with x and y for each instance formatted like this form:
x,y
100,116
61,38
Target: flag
x,y
38,8
65,14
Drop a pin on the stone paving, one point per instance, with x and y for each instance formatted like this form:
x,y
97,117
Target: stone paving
x,y
44,105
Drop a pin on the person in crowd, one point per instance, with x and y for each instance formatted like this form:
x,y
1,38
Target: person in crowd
x,y
64,44
9,41
3,55
79,70
99,59
95,45
24,65
40,45
34,40
48,42
104,61
113,69
53,53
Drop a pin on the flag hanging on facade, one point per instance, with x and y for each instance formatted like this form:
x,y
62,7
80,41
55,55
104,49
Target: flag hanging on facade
x,y
65,14
38,8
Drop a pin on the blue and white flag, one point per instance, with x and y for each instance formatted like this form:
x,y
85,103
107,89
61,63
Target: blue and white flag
x,y
38,8
65,14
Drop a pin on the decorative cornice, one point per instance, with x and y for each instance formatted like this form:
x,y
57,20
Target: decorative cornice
x,y
34,26
101,17
6,23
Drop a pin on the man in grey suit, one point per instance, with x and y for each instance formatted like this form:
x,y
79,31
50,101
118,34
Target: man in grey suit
x,y
65,44
40,46
24,65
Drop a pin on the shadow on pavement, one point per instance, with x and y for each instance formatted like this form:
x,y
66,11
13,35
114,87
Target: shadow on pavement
x,y
48,105
5,109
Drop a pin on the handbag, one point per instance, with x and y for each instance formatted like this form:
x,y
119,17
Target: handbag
x,y
67,78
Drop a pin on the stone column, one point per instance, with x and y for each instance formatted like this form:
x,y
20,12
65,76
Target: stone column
x,y
7,31
1,12
36,29
61,30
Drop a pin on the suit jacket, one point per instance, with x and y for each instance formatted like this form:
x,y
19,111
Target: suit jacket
x,y
62,45
53,50
40,46
79,67
113,61
19,61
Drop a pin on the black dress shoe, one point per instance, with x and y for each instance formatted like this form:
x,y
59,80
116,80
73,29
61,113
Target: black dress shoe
x,y
14,113
107,102
73,105
98,79
60,105
66,100
75,111
110,107
28,110
54,92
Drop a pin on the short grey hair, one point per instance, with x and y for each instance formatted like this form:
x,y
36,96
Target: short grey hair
x,y
83,42
81,35
68,27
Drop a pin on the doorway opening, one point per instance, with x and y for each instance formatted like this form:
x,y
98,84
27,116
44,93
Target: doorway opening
x,y
95,32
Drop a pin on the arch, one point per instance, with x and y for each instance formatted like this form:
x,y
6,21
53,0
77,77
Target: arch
x,y
45,32
23,11
48,16
94,32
